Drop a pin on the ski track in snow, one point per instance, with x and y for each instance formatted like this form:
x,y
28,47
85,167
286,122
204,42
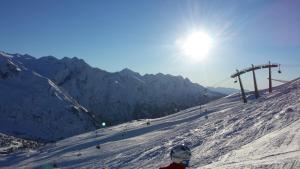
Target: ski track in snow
x,y
262,134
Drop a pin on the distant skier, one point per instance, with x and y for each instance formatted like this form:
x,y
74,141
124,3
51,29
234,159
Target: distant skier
x,y
180,155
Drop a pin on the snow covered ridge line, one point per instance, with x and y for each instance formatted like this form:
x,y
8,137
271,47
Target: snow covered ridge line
x,y
120,96
33,107
224,90
5,54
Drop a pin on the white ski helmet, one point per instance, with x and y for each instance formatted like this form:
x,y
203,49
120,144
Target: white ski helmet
x,y
181,154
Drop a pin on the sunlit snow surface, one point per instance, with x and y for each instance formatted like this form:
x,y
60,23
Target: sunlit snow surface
x,y
264,133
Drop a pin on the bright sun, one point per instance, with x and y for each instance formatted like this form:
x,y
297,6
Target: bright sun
x,y
196,46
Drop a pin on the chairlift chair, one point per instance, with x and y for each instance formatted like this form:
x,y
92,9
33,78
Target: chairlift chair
x,y
235,80
279,71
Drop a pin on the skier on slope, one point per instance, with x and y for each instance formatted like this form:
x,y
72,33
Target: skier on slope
x,y
180,155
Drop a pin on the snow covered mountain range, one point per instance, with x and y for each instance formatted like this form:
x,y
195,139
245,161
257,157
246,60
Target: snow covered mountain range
x,y
224,90
120,96
48,99
223,134
32,106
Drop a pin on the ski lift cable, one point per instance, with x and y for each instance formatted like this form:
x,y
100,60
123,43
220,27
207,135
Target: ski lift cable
x,y
289,65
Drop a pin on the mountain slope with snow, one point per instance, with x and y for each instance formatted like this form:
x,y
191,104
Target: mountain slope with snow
x,y
224,90
120,96
226,133
32,106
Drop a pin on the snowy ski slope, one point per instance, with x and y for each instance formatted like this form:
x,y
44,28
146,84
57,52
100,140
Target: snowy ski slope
x,y
226,133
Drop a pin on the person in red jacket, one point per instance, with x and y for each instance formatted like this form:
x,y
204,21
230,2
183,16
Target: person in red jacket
x,y
180,156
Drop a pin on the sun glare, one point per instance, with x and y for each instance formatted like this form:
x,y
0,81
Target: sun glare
x,y
196,46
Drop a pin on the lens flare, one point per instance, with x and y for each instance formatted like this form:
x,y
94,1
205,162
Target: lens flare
x,y
196,45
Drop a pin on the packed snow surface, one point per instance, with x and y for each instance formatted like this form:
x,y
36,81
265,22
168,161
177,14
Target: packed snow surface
x,y
264,133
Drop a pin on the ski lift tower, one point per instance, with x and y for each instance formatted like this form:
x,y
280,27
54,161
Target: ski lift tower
x,y
269,66
238,75
253,68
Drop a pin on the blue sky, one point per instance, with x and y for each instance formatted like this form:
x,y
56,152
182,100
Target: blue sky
x,y
142,34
